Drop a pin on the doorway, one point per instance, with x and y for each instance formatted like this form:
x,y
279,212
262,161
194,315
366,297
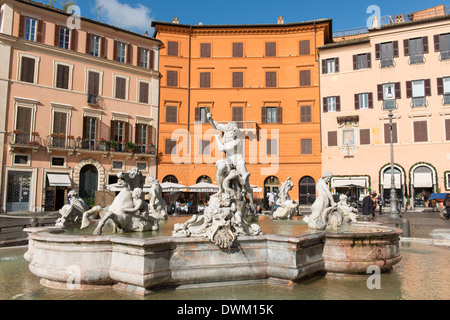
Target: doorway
x,y
307,191
19,191
88,182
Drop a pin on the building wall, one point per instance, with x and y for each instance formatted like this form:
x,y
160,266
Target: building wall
x,y
44,98
221,97
369,160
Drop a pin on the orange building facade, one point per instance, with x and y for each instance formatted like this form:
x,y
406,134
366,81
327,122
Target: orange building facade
x,y
265,78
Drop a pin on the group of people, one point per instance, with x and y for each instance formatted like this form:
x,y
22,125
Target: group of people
x,y
369,204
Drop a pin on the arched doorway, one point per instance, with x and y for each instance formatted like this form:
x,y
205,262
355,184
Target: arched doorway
x,y
423,184
88,182
271,186
307,191
171,179
204,179
386,182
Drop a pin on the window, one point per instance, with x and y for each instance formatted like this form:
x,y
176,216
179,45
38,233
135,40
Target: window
x,y
238,50
171,146
362,61
205,50
144,89
420,131
171,114
447,129
306,146
271,49
144,59
121,52
332,139
389,93
60,123
348,137
142,138
117,165
58,162
364,136
415,49
386,52
141,166
172,48
305,114
238,79
30,29
121,88
201,115
304,48
172,78
205,79
332,104
62,76
90,132
27,69
417,91
21,160
363,101
205,147
330,65
93,87
64,38
238,114
271,79
23,125
272,147
95,46
387,133
305,78
119,132
443,85
272,115
442,45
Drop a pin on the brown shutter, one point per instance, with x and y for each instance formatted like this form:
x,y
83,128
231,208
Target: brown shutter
x,y
22,22
238,114
27,70
263,115
408,89
238,78
305,114
355,62
238,49
447,129
130,54
152,59
440,86
103,47
356,101
139,57
305,47
57,33
271,49
127,131
205,50
369,60
332,139
425,45
387,133
305,78
171,114
112,131
325,105
74,40
205,79
271,79
115,50
306,146
420,131
437,43
85,127
40,31
395,48
364,136
172,78
380,92
143,92
398,92
336,64
120,88
23,123
377,51
324,66
172,48
406,47
94,83
338,103
280,115
427,84
88,43
370,100
197,115
62,77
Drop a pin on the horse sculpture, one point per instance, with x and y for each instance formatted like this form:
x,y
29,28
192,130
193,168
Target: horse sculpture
x,y
120,211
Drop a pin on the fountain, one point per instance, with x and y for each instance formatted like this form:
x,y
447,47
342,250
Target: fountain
x,y
220,247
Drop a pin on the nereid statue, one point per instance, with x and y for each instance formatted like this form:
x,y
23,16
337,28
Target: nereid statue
x,y
224,217
72,212
286,207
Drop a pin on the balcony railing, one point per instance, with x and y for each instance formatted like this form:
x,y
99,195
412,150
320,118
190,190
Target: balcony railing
x,y
114,146
17,138
92,99
61,142
245,125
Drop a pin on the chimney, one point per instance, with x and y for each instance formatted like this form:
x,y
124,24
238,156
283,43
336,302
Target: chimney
x,y
146,33
280,20
175,20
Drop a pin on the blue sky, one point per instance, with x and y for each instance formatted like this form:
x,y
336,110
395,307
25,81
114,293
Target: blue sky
x,y
137,15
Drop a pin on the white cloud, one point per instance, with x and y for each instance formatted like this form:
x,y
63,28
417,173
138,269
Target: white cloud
x,y
136,18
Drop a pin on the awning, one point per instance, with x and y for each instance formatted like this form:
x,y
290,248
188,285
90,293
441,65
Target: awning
x,y
204,187
172,187
423,180
387,181
348,183
59,180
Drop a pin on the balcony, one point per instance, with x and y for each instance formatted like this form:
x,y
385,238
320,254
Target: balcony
x,y
108,148
60,141
24,141
93,99
246,126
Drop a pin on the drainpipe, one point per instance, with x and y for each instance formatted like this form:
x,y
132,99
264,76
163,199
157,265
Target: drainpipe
x,y
189,91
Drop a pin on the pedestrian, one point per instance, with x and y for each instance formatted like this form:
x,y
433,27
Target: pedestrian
x,y
447,206
368,206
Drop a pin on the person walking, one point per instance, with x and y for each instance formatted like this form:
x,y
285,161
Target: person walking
x,y
368,206
447,206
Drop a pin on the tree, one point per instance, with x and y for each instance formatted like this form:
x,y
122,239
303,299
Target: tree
x,y
65,4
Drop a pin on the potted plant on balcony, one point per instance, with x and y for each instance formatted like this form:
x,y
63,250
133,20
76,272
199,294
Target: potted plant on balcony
x,y
152,148
112,145
130,146
103,145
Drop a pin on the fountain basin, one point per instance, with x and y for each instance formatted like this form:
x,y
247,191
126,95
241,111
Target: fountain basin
x,y
141,265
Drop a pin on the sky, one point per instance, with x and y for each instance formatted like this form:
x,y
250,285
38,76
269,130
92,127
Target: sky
x,y
137,15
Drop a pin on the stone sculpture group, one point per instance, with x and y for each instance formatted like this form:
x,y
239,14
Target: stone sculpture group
x,y
287,208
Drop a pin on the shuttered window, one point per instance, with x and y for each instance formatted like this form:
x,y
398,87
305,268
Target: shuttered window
x,y
172,48
201,114
205,50
272,115
90,128
205,147
238,50
238,79
332,139
420,131
271,49
64,37
330,65
171,114
387,137
171,146
59,123
447,129
362,61
205,79
304,47
172,78
23,122
27,70
442,45
144,89
305,114
62,76
306,146
121,88
305,78
272,147
93,83
141,137
238,114
364,136
271,79
143,58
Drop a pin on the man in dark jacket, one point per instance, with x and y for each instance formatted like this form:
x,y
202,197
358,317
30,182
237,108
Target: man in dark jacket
x,y
368,205
447,207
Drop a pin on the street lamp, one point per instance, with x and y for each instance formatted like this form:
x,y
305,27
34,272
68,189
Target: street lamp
x,y
390,104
